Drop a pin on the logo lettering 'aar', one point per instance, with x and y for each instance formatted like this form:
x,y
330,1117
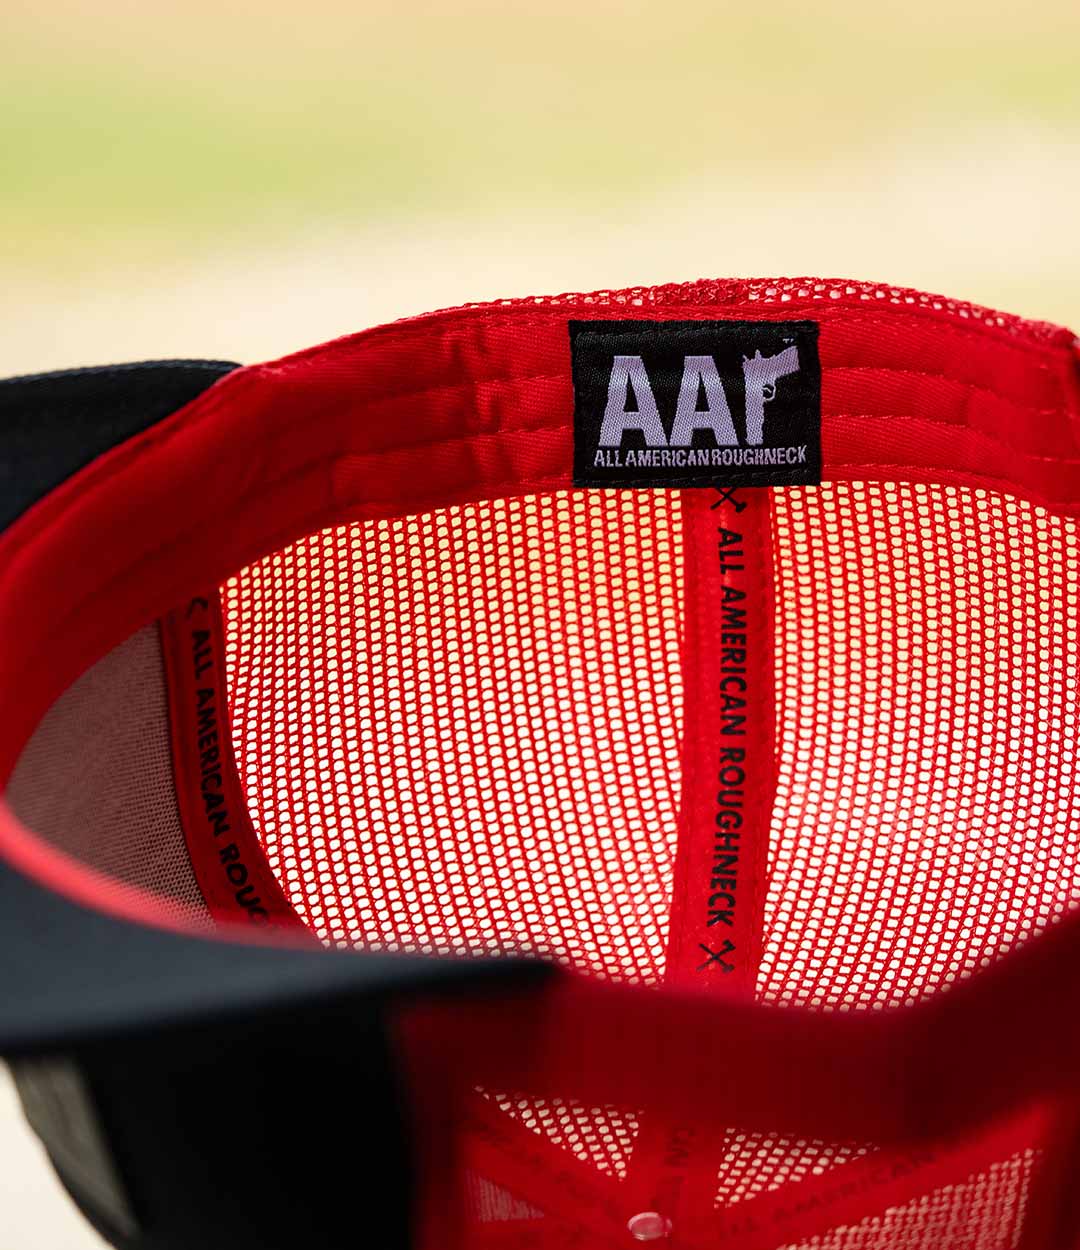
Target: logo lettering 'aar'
x,y
700,377
653,407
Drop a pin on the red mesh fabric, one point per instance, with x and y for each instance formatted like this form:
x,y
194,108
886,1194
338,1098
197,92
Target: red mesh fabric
x,y
985,1212
756,1165
433,717
601,1136
461,731
439,718
928,664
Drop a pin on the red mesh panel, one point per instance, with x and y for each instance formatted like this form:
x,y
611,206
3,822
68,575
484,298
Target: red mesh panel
x,y
983,1213
927,667
434,717
490,1203
461,731
602,1136
759,1165
928,658
440,719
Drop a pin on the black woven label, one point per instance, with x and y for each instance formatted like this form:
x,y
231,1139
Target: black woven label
x,y
696,403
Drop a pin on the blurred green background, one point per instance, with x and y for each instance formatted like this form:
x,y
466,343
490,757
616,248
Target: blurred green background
x,y
239,179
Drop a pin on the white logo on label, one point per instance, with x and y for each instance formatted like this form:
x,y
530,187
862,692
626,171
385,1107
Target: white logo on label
x,y
630,377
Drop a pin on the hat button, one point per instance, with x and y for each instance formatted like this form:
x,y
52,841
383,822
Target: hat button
x,y
648,1226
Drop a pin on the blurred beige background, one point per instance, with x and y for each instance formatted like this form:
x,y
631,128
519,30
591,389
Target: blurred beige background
x,y
238,180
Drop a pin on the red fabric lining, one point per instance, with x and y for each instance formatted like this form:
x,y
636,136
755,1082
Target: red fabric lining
x,y
537,1171
858,1077
986,1049
315,408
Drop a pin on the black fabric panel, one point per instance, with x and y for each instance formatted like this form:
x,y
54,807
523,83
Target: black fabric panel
x,y
70,975
248,1138
247,1094
53,424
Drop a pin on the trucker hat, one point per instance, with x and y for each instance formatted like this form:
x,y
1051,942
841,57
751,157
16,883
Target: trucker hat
x,y
562,773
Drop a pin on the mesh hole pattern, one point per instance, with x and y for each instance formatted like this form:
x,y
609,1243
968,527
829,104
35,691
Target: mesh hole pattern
x,y
928,665
602,1136
756,1164
96,779
983,1213
462,731
772,292
435,718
